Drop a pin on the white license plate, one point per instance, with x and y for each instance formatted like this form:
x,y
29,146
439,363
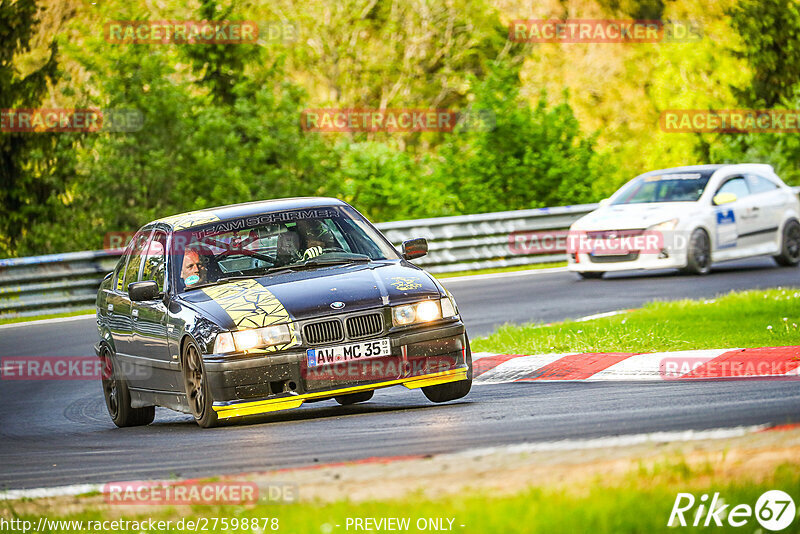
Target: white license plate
x,y
350,352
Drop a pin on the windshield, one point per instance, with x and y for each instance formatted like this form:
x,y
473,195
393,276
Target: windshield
x,y
274,242
674,187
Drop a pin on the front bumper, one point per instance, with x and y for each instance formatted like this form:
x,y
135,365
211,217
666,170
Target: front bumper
x,y
648,261
254,384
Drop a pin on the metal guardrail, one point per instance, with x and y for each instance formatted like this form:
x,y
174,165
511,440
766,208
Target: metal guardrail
x,y
52,284
68,282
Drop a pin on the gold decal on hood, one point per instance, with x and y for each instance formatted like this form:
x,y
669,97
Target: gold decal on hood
x,y
405,284
249,304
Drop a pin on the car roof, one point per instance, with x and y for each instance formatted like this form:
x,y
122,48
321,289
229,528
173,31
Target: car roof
x,y
706,171
235,211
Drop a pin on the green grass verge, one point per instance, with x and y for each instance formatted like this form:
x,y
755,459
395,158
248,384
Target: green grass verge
x,y
738,319
502,270
10,320
638,502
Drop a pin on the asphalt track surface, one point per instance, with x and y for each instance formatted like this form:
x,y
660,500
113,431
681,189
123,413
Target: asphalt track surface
x,y
55,433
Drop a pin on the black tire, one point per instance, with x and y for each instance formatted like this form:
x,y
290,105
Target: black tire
x,y
591,275
195,382
452,390
353,398
698,253
118,396
790,245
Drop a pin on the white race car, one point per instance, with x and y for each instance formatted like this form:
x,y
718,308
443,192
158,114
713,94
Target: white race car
x,y
689,218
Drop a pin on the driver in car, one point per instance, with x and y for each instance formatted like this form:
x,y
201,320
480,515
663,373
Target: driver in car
x,y
317,237
193,270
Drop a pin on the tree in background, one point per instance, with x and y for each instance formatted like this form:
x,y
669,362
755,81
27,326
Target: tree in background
x,y
34,166
387,184
221,122
533,157
770,33
394,54
220,66
204,142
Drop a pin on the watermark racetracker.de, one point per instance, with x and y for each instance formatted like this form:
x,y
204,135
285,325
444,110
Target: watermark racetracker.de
x,y
199,32
65,120
730,120
396,120
68,368
340,368
609,242
197,492
603,31
703,368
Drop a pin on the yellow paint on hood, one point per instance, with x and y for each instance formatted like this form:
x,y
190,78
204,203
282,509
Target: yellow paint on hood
x,y
249,304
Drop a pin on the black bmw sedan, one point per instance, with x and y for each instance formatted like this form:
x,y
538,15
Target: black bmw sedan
x,y
241,310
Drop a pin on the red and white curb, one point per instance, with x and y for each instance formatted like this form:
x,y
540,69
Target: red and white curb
x,y
773,362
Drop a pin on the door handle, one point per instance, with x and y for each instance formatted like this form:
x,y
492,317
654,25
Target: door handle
x,y
135,313
756,208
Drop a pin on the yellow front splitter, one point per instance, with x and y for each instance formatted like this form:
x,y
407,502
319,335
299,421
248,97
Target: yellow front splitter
x,y
286,403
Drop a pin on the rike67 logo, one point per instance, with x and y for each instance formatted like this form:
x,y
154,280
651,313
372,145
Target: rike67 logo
x,y
774,510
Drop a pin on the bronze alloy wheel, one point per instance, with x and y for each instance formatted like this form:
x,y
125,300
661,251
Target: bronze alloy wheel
x,y
195,382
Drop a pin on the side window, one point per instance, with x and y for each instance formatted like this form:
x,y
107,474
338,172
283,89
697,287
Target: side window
x,y
759,184
135,260
737,186
119,272
155,259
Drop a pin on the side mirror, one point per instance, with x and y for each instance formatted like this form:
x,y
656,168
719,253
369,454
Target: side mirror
x,y
605,202
415,248
724,198
140,291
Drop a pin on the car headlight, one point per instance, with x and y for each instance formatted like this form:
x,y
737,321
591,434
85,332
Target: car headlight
x,y
665,226
254,338
423,312
428,310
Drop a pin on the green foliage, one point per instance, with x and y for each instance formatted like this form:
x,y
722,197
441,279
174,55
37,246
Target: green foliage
x,y
220,66
533,157
636,9
221,121
770,30
387,184
383,54
33,166
194,151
